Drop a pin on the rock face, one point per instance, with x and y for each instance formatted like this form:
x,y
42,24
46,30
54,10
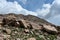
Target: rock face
x,y
16,27
9,20
21,23
50,29
28,24
25,24
36,26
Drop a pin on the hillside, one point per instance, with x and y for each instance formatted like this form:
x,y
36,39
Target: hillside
x,y
27,17
27,27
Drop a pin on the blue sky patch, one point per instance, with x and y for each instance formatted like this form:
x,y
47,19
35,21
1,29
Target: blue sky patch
x,y
32,5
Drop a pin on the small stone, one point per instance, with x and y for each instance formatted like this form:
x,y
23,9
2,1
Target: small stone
x,y
17,24
31,39
15,31
26,30
18,39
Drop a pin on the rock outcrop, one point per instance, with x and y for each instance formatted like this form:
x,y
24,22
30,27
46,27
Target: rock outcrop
x,y
16,27
50,29
30,25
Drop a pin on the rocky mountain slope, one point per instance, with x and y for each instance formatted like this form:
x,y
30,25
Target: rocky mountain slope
x,y
27,27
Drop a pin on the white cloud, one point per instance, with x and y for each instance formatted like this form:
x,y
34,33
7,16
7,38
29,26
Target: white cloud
x,y
13,7
57,2
55,20
6,7
44,11
54,14
55,9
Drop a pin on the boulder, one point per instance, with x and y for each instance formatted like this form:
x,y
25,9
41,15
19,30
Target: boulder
x,y
50,29
25,24
36,26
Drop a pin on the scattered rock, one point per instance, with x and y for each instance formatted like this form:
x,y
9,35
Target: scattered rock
x,y
31,39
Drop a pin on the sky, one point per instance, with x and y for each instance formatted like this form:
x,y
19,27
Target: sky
x,y
46,9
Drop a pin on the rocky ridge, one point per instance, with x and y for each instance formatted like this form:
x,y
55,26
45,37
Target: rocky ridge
x,y
27,27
